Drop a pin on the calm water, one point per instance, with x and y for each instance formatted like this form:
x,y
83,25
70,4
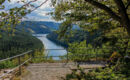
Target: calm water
x,y
51,49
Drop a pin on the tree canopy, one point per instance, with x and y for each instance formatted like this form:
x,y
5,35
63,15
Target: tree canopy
x,y
10,17
103,17
91,11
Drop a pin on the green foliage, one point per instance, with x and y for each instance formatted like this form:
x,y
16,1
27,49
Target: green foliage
x,y
97,74
114,57
105,74
112,37
54,37
7,64
73,36
95,21
103,32
10,17
15,62
14,45
38,56
84,52
82,13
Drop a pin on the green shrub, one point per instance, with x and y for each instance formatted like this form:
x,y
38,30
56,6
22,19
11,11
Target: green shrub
x,y
98,74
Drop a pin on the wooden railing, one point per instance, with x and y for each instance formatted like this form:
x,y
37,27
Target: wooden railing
x,y
20,64
31,53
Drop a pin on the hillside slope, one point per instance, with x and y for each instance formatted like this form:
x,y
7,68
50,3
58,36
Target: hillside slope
x,y
38,27
17,44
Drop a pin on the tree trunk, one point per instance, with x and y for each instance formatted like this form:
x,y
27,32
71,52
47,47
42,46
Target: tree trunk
x,y
127,26
125,21
122,18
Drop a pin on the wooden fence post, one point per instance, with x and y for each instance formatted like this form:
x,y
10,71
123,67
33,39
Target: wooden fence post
x,y
67,57
33,54
20,69
96,52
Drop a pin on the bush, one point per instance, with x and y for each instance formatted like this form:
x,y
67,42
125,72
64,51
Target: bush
x,y
97,74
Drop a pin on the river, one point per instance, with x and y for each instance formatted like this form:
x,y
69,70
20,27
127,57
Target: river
x,y
51,49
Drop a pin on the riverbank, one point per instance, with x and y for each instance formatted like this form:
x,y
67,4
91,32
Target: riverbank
x,y
51,48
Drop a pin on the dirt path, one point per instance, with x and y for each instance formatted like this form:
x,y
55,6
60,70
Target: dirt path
x,y
52,71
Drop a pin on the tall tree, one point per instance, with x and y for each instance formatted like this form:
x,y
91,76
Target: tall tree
x,y
121,16
117,10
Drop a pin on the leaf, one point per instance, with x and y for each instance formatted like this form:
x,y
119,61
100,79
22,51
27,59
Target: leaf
x,y
9,0
2,1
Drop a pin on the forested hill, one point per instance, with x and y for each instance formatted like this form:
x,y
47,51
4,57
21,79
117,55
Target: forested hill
x,y
41,27
18,43
75,36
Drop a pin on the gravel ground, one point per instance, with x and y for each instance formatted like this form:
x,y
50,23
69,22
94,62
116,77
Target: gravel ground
x,y
52,71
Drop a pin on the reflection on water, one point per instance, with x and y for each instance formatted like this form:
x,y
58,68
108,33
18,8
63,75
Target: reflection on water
x,y
52,49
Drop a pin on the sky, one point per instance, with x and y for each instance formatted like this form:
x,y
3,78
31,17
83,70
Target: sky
x,y
39,14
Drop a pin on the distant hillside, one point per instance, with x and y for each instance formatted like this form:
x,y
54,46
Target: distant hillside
x,y
41,27
76,36
51,25
17,44
38,26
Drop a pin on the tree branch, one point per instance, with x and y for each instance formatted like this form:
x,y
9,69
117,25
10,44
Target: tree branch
x,y
28,3
122,10
128,5
39,5
105,8
35,7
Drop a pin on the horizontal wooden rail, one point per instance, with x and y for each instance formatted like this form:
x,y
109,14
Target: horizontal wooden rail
x,y
15,56
84,48
66,55
14,68
19,60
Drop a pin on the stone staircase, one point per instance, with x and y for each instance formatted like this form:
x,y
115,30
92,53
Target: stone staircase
x,y
54,71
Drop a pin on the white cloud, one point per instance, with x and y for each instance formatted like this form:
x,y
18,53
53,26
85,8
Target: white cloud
x,y
46,5
39,14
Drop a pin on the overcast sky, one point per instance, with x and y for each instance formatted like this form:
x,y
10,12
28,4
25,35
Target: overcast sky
x,y
38,15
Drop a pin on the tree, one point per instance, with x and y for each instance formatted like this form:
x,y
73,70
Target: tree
x,y
118,10
121,16
98,17
13,16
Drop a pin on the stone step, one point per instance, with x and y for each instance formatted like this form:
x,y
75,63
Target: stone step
x,y
87,66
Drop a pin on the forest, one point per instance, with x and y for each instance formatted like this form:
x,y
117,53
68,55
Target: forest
x,y
11,45
74,36
107,23
16,44
104,34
